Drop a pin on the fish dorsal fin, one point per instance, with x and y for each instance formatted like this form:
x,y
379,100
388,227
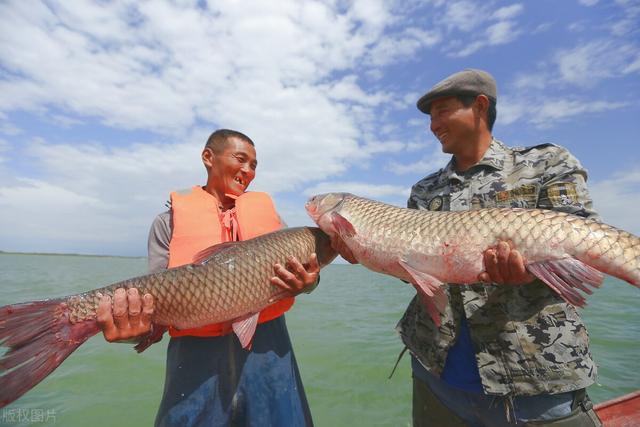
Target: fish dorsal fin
x,y
245,328
342,225
566,276
202,256
429,289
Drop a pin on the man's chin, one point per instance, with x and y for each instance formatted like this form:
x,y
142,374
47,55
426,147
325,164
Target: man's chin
x,y
234,192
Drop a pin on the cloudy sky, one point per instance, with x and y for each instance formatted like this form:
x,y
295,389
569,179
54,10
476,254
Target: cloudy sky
x,y
105,106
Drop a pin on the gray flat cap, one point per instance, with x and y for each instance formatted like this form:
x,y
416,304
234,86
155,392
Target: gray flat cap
x,y
467,82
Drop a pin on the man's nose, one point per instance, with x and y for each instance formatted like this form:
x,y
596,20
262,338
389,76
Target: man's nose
x,y
434,125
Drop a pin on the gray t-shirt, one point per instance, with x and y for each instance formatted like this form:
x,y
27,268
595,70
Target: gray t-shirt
x,y
158,243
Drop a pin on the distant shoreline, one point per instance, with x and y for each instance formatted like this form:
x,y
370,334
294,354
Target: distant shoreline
x,y
68,254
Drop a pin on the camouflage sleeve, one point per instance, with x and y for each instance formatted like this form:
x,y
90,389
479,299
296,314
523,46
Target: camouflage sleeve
x,y
411,203
564,186
158,243
419,192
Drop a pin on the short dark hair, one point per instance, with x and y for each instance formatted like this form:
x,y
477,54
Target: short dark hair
x,y
467,100
218,140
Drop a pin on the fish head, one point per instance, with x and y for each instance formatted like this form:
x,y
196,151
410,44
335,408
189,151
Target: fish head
x,y
321,206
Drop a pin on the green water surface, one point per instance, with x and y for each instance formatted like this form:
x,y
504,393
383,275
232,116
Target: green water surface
x,y
343,335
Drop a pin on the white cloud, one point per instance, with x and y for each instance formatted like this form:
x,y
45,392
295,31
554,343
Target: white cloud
x,y
418,122
73,221
512,109
415,146
372,191
589,63
377,147
403,45
633,67
463,15
268,69
4,147
588,2
530,81
550,110
554,110
616,200
508,12
563,88
423,166
501,33
347,89
177,64
467,17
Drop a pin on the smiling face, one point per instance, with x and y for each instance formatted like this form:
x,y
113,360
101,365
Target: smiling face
x,y
231,170
453,124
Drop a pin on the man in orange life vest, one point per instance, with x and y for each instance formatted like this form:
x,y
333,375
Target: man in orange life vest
x,y
210,378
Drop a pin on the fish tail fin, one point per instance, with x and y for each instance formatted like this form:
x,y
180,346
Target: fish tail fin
x,y
36,337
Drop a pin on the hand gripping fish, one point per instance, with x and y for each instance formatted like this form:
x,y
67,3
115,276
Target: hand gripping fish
x,y
227,282
427,248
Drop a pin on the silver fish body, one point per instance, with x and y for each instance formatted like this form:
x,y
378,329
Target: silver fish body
x,y
428,248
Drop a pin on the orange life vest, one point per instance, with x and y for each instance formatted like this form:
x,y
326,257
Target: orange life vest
x,y
198,224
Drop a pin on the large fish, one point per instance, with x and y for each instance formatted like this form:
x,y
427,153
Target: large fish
x,y
427,249
227,282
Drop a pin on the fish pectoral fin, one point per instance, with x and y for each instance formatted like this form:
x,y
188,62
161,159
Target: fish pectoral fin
x,y
565,276
245,328
342,225
202,256
153,337
429,289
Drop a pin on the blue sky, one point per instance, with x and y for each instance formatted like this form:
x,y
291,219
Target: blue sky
x,y
105,106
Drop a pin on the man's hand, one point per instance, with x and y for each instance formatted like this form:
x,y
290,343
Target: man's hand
x,y
341,247
504,265
130,318
296,278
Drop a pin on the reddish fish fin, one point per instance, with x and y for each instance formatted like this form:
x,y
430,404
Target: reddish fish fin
x,y
38,336
342,225
245,328
429,289
567,276
156,335
203,255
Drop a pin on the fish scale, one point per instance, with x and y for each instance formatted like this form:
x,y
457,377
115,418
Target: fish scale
x,y
525,227
195,295
429,248
231,283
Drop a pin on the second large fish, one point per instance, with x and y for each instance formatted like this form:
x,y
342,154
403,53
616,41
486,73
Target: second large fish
x,y
428,249
228,282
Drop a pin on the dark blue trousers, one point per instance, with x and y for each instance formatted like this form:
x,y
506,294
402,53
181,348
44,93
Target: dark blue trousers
x,y
213,381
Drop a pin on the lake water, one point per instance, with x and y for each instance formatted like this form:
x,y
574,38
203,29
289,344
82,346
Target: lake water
x,y
343,335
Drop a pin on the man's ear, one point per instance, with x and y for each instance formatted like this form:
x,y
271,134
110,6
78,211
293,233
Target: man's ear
x,y
207,157
482,104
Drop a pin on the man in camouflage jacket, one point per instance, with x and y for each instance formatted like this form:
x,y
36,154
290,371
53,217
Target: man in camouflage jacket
x,y
527,341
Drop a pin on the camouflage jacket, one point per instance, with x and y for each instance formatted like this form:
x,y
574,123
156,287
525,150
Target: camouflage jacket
x,y
527,340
